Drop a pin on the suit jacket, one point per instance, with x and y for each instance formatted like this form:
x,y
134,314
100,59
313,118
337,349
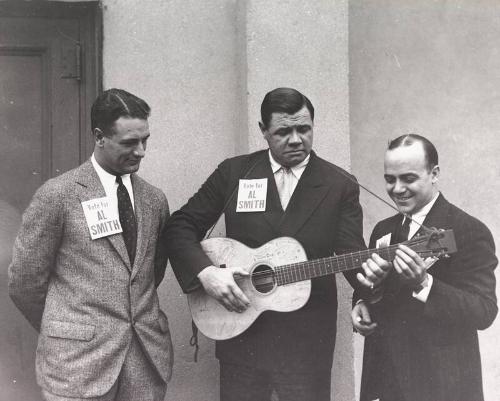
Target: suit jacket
x,y
83,295
433,346
323,214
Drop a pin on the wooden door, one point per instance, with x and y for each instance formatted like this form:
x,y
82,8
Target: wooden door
x,y
49,76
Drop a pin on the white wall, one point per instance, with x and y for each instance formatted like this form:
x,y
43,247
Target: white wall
x,y
431,67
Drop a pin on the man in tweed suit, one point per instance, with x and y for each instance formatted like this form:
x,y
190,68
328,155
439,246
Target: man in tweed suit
x,y
89,286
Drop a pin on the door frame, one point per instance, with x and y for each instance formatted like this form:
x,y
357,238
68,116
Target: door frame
x,y
89,15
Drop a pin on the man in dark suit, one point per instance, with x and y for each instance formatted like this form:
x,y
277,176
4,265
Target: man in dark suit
x,y
86,266
421,337
290,353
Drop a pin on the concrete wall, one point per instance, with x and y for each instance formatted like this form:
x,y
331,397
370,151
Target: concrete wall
x,y
431,67
180,56
204,67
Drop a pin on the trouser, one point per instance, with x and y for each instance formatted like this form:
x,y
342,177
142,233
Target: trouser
x,y
244,383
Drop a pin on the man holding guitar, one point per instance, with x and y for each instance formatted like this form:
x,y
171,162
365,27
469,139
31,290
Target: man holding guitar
x,y
286,191
421,336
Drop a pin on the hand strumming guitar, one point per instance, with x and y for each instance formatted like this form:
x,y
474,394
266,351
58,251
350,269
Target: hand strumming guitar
x,y
219,283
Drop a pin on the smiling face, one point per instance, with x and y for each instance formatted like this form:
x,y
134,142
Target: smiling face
x,y
409,181
121,151
289,136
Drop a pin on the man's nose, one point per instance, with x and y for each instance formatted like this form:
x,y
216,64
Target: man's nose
x,y
294,138
399,187
140,150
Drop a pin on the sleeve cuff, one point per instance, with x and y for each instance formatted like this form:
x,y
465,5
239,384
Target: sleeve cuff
x,y
423,293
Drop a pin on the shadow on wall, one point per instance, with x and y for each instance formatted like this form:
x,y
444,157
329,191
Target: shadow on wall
x,y
17,337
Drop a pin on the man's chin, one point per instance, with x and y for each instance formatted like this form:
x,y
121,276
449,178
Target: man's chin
x,y
131,169
295,158
406,209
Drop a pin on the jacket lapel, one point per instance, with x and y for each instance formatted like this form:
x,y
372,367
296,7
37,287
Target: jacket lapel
x,y
144,223
310,191
437,216
396,228
90,187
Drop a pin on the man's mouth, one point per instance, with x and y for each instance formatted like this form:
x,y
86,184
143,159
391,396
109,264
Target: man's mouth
x,y
403,198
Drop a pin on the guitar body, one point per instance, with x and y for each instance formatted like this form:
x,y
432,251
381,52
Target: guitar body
x,y
217,322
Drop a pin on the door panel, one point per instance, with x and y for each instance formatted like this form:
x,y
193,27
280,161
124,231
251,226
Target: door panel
x,y
21,96
45,96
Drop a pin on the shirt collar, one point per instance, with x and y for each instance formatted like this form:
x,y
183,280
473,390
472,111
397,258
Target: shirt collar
x,y
108,180
423,212
296,170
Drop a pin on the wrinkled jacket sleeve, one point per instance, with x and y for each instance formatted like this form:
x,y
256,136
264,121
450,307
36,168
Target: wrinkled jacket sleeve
x,y
464,295
187,227
35,252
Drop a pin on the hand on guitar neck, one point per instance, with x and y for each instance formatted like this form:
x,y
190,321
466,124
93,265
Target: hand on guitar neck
x,y
411,268
376,270
408,264
220,284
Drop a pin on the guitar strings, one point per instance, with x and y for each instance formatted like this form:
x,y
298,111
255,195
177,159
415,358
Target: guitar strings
x,y
294,268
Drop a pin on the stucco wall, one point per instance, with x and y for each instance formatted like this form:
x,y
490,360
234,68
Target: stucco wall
x,y
431,67
181,57
204,67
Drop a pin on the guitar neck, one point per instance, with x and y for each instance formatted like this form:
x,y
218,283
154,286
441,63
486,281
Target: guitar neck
x,y
295,272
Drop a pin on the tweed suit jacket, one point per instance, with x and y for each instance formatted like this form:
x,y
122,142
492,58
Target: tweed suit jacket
x,y
323,214
83,295
433,346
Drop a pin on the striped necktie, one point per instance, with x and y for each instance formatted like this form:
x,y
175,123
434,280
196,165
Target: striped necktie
x,y
127,219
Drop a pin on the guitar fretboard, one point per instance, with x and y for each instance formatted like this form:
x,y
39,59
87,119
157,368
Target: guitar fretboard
x,y
307,270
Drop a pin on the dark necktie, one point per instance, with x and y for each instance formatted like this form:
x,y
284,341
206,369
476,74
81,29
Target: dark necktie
x,y
405,230
127,219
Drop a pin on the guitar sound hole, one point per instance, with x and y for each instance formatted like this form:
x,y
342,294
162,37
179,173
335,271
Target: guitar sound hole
x,y
263,279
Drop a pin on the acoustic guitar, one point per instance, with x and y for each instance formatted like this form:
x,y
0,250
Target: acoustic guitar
x,y
279,276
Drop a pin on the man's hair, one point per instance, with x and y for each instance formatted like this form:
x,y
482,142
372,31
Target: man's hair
x,y
113,104
283,100
431,154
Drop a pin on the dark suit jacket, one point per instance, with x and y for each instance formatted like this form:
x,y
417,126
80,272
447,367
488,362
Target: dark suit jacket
x,y
324,215
433,346
83,295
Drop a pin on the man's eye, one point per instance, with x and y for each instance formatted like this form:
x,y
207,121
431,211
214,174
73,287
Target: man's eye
x,y
303,129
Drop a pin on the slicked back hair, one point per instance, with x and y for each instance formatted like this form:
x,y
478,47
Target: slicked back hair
x,y
431,154
113,104
283,100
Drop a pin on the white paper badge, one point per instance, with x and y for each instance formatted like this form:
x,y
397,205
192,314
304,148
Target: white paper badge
x,y
252,195
384,241
102,217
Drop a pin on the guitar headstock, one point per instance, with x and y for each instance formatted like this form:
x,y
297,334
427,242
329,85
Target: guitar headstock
x,y
436,243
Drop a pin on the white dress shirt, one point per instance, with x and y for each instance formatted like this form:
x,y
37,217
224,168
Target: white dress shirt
x,y
110,185
295,170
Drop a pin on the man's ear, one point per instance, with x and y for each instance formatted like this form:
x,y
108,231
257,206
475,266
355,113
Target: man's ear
x,y
262,128
98,137
435,174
